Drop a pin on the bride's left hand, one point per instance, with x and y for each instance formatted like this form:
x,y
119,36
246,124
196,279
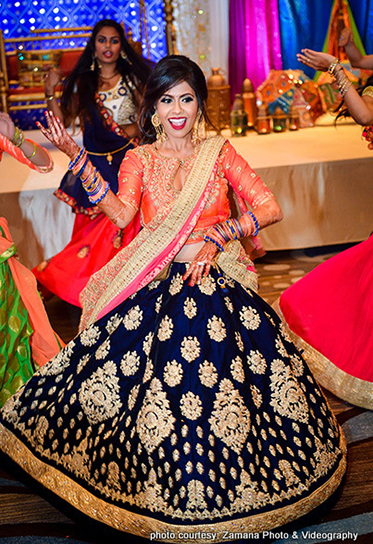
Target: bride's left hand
x,y
201,264
57,134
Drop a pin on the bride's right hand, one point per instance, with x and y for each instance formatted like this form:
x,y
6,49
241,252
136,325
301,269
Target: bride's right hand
x,y
57,134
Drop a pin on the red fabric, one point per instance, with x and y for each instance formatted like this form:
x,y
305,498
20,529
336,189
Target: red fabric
x,y
93,244
68,61
332,309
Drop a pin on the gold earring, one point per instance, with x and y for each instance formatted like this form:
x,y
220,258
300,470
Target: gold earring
x,y
93,64
160,133
124,56
198,131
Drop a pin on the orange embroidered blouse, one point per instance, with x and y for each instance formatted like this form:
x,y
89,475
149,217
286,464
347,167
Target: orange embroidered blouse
x,y
146,182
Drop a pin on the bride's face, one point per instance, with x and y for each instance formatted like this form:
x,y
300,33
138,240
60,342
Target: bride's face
x,y
177,110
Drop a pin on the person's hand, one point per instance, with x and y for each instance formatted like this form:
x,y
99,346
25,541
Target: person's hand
x,y
7,127
57,134
201,264
345,37
51,80
315,59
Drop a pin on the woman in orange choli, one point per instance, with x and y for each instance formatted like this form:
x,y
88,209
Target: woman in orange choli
x,y
181,402
27,340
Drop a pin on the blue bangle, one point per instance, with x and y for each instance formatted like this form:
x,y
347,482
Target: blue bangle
x,y
76,160
255,223
208,239
82,168
228,223
102,196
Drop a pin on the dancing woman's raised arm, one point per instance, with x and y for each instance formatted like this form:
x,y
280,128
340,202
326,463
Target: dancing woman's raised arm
x,y
359,107
99,193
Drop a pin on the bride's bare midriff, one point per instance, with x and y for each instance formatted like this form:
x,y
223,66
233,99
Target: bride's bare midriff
x,y
188,252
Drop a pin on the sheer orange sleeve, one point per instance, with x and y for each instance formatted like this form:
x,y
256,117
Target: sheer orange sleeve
x,y
244,180
130,180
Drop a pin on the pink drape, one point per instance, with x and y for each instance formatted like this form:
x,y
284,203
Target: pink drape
x,y
254,44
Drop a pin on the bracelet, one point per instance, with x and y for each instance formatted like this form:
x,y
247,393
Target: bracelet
x,y
18,137
332,66
81,170
256,223
73,162
34,152
102,196
208,239
49,97
343,84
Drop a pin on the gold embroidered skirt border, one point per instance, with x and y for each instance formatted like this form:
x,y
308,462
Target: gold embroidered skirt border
x,y
337,381
140,525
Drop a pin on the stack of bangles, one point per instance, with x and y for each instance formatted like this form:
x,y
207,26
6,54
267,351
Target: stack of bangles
x,y
232,229
337,72
18,137
18,140
94,185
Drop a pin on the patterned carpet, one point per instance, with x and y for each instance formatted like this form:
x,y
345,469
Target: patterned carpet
x,y
26,518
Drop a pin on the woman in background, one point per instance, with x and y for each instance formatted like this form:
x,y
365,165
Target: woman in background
x,y
329,312
103,92
27,340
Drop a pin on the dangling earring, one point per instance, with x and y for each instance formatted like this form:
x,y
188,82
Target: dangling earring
x,y
198,131
124,56
160,133
93,65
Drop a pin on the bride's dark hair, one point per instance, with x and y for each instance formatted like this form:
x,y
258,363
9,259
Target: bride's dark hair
x,y
167,73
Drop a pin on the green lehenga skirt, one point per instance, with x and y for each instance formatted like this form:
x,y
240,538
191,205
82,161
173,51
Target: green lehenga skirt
x,y
16,365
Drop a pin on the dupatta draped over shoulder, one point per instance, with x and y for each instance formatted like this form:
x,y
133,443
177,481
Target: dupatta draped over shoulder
x,y
156,244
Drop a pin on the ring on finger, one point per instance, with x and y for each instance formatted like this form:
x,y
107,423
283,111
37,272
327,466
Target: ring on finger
x,y
201,263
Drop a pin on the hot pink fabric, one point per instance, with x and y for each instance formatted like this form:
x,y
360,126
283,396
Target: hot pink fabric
x,y
331,308
255,45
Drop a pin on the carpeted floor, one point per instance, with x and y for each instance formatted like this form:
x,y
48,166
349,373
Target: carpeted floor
x,y
26,518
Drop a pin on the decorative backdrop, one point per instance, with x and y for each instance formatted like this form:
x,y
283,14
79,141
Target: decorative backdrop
x,y
269,33
18,17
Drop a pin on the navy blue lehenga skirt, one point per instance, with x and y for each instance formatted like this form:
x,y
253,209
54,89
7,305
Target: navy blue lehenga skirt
x,y
184,409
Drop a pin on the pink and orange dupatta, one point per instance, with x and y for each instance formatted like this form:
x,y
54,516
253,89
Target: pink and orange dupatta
x,y
156,244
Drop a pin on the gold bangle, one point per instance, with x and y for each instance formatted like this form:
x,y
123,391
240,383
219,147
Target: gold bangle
x,y
332,66
49,97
